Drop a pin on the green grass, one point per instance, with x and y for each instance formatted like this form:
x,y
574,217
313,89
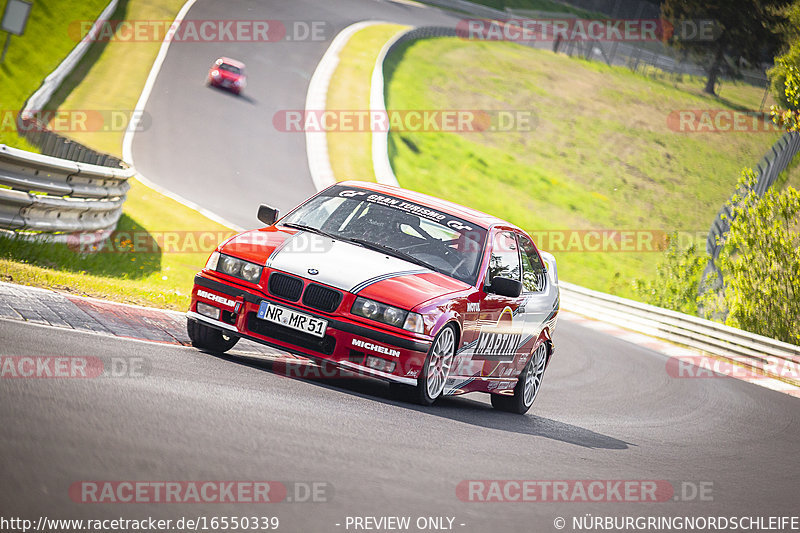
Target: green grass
x,y
111,76
32,56
600,154
350,152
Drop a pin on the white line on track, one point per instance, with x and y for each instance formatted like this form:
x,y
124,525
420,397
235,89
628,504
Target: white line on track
x,y
127,141
316,100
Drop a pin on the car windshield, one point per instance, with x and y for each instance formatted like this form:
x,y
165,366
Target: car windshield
x,y
230,68
430,238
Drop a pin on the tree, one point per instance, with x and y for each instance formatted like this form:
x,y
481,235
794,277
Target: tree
x,y
677,278
745,29
760,262
784,77
789,117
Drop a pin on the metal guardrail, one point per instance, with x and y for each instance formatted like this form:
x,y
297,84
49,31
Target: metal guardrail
x,y
766,356
56,145
45,194
49,142
71,188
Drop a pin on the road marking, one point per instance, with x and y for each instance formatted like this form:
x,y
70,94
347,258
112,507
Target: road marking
x,y
127,140
316,99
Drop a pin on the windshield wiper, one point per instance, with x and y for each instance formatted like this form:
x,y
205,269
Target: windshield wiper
x,y
391,251
311,229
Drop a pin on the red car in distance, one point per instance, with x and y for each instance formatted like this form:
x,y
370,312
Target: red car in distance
x,y
228,74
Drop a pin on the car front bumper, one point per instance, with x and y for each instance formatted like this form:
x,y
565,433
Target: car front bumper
x,y
347,344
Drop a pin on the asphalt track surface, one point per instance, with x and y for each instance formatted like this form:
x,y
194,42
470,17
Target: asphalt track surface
x,y
223,152
608,409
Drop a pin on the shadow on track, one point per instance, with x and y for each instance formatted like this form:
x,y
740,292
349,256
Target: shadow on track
x,y
460,409
240,96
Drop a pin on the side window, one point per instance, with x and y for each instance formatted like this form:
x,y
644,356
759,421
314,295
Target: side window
x,y
504,260
533,271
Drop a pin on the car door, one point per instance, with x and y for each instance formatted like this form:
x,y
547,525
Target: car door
x,y
500,325
537,305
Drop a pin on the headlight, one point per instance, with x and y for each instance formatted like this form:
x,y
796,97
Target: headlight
x,y
214,73
367,308
251,272
394,316
387,314
230,265
236,267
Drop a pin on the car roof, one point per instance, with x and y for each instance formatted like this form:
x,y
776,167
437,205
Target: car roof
x,y
229,61
467,213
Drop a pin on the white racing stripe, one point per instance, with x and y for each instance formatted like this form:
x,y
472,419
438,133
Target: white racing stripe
x,y
340,264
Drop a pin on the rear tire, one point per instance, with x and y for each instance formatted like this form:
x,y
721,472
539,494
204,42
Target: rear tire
x,y
528,385
208,338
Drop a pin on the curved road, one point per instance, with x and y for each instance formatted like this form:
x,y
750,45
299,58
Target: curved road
x,y
222,152
608,410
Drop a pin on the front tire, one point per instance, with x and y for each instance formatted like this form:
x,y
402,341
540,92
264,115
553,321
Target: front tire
x,y
528,385
436,369
208,338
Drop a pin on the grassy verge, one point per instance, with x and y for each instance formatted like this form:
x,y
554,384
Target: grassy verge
x,y
111,76
601,154
136,266
32,56
350,152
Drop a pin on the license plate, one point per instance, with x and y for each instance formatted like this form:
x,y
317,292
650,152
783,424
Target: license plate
x,y
292,319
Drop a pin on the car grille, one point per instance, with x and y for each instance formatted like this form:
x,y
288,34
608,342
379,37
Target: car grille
x,y
286,287
322,298
324,345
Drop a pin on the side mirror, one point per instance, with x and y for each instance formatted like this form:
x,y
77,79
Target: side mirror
x,y
266,214
506,287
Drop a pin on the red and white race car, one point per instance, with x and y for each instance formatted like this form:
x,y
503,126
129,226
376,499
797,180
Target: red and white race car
x,y
435,298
